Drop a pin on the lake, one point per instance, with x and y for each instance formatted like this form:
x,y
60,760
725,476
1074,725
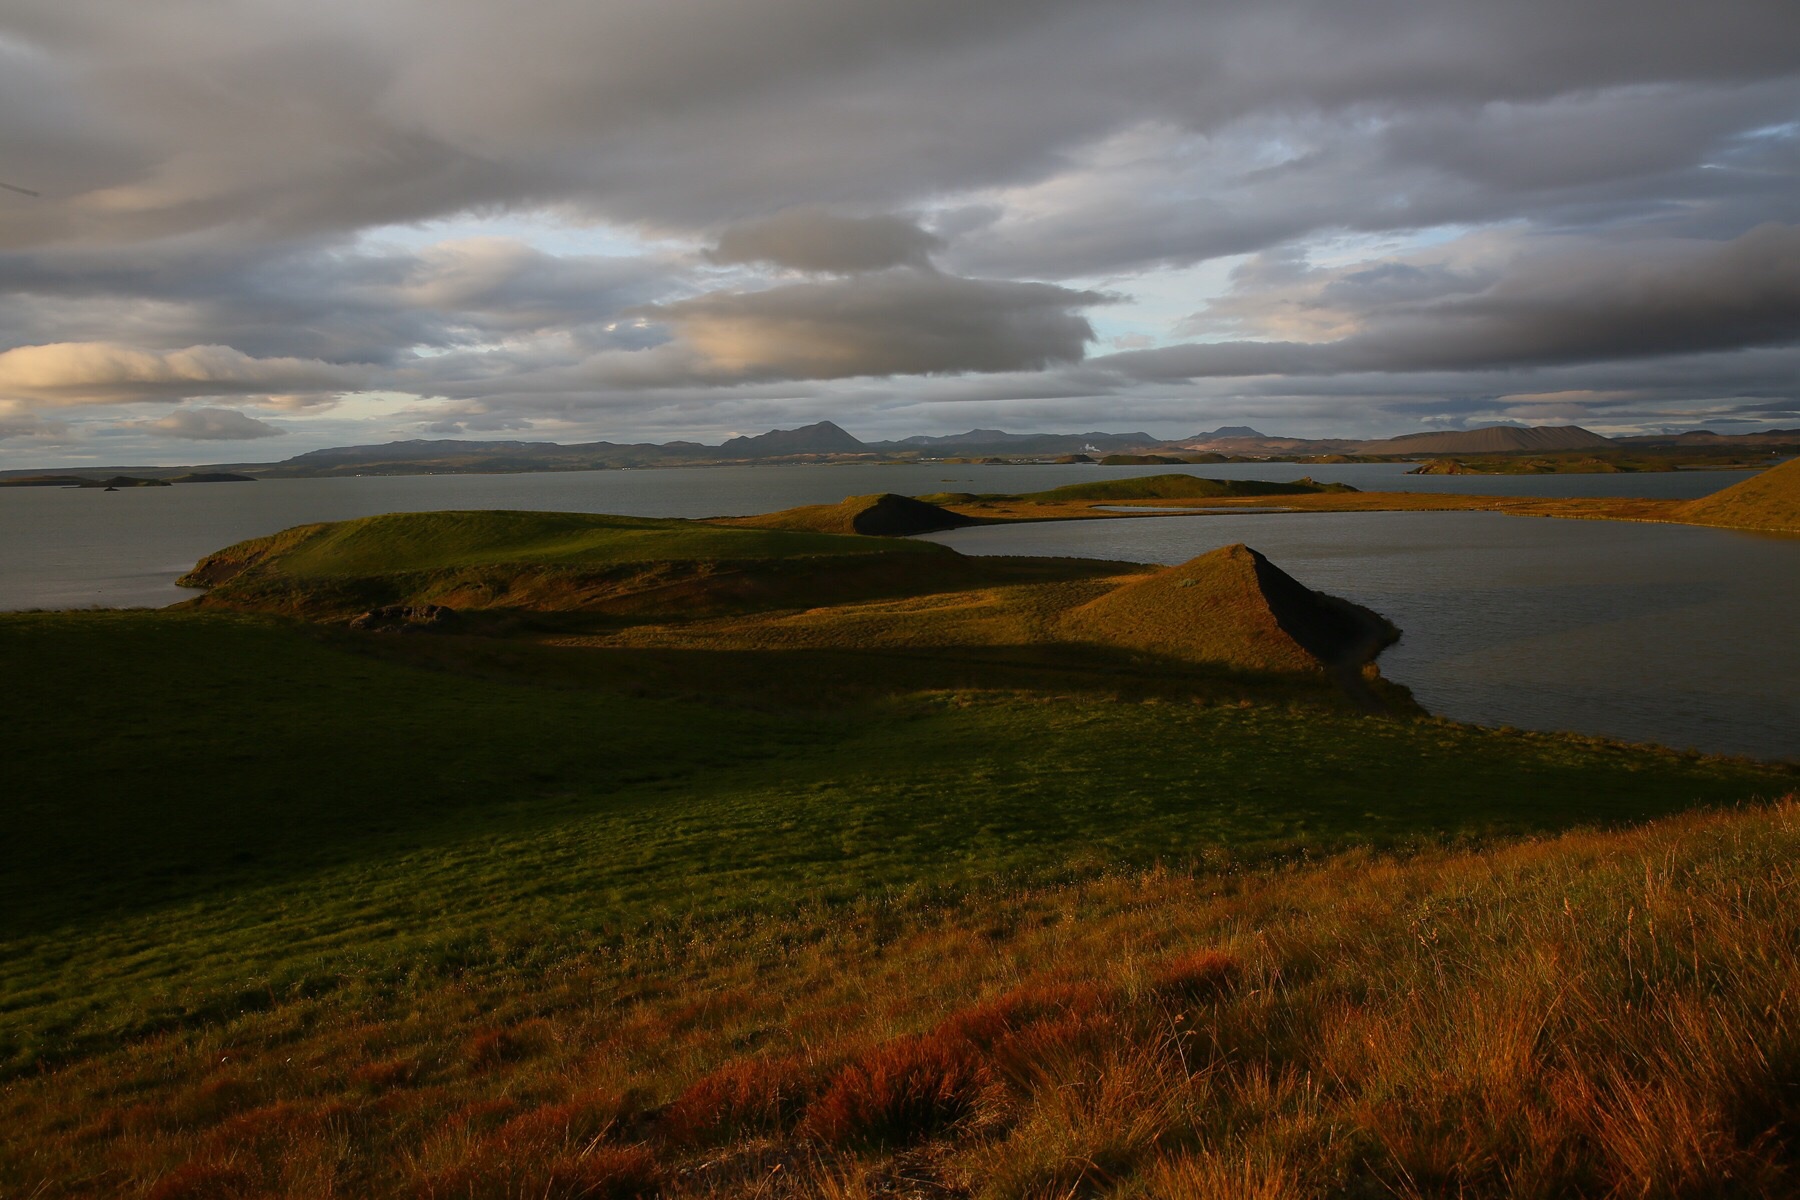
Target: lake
x,y
1664,633
1654,632
76,548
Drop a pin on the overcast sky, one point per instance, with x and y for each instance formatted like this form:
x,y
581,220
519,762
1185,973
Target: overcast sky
x,y
263,226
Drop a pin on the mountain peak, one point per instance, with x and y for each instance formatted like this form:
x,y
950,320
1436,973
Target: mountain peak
x,y
821,437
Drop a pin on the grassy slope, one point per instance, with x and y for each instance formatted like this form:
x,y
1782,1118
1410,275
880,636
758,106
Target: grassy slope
x,y
222,767
879,514
1770,500
521,887
551,562
405,542
1600,1015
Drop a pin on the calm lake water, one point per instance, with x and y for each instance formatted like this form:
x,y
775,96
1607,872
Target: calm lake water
x,y
1664,633
76,548
1654,632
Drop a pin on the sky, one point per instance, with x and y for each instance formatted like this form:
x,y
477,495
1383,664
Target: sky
x,y
263,227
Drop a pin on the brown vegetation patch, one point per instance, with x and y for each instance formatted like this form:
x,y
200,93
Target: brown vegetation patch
x,y
597,1173
745,1097
899,1092
1597,1014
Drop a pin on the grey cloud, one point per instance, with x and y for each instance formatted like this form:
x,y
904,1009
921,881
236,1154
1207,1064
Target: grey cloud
x,y
207,425
331,117
1159,195
17,422
78,373
326,300
209,166
811,240
1558,304
897,322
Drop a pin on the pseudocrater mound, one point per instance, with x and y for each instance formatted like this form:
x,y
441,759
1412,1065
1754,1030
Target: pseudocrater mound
x,y
1236,607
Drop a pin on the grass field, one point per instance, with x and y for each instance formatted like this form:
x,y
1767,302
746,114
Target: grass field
x,y
898,895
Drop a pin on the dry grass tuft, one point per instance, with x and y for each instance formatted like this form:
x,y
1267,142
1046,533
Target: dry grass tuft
x,y
745,1097
596,1173
1197,977
899,1092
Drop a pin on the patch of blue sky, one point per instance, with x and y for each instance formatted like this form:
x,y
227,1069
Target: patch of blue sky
x,y
1154,302
1349,249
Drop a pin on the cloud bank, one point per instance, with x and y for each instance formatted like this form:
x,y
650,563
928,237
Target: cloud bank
x,y
643,220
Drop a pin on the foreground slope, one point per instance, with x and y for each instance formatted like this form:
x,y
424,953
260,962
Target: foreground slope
x,y
578,944
1769,501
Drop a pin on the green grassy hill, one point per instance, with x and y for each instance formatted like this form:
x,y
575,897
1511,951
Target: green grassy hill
x,y
1769,501
548,561
263,882
408,542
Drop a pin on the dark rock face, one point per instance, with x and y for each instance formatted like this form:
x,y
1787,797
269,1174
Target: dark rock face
x,y
399,618
1331,629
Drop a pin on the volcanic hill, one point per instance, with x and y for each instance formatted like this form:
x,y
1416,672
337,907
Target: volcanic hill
x,y
1236,607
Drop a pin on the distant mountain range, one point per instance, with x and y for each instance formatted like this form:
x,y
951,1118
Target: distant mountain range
x,y
827,441
1490,439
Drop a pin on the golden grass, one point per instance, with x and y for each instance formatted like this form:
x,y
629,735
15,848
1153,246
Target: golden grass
x,y
1219,607
1600,1014
1768,501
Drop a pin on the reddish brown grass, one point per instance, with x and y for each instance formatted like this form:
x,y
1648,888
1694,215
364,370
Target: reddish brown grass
x,y
204,1181
1197,977
1600,1015
601,1173
899,1092
746,1096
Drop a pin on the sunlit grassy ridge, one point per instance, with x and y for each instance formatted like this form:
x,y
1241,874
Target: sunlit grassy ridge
x,y
1769,500
1233,605
405,542
549,561
881,515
